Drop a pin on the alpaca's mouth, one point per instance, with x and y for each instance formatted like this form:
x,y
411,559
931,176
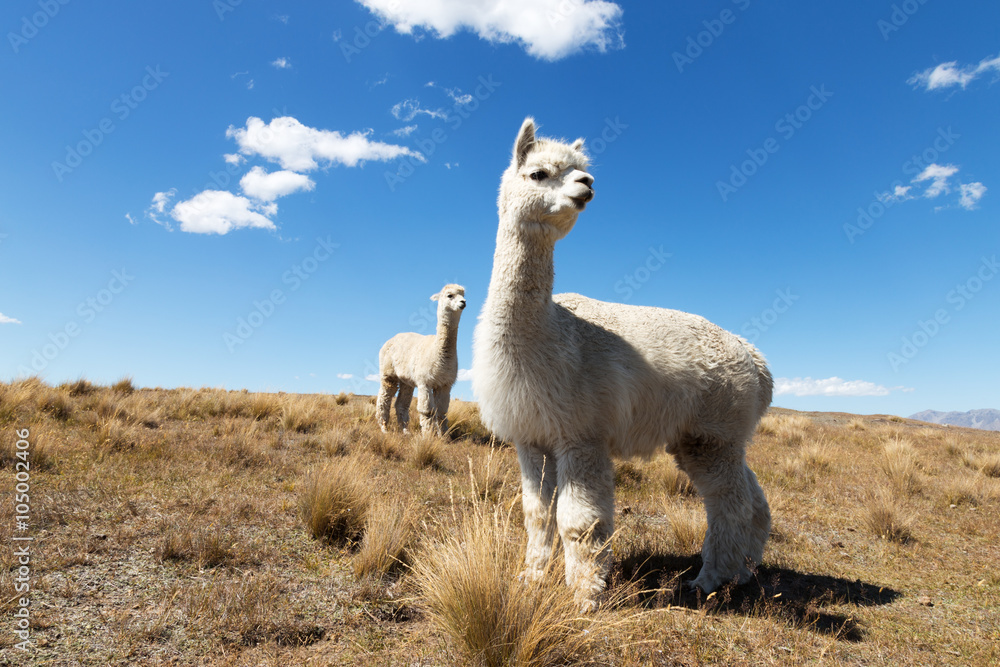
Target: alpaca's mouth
x,y
582,200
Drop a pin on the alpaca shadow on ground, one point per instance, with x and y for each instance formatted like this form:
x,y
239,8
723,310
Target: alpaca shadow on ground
x,y
795,597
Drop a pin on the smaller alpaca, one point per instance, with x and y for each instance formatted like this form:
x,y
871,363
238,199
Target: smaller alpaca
x,y
427,363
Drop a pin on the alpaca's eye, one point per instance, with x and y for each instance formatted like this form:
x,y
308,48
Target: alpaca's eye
x,y
539,176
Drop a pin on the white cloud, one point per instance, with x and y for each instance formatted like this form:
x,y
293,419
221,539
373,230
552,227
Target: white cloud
x,y
829,387
131,220
938,175
298,147
281,63
283,18
269,186
404,131
250,84
546,29
407,110
899,193
159,206
464,375
949,74
971,194
373,377
345,376
8,320
233,158
219,212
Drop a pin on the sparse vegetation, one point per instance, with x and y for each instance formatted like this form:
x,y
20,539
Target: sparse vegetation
x,y
178,526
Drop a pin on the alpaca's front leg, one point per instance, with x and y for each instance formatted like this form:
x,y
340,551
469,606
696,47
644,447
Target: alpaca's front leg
x,y
538,483
425,406
383,403
442,399
586,517
403,405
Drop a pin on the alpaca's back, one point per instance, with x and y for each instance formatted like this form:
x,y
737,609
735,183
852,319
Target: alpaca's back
x,y
701,380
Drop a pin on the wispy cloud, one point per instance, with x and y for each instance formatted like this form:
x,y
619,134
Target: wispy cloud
x,y
404,131
373,377
939,181
298,147
833,386
281,63
345,376
157,208
947,75
464,375
971,193
546,29
409,109
8,320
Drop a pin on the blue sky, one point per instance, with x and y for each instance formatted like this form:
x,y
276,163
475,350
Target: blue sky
x,y
259,194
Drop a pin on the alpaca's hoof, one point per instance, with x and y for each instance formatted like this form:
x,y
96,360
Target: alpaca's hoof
x,y
384,430
588,605
530,575
709,582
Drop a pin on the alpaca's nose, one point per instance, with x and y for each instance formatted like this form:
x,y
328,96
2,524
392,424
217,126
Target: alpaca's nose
x,y
586,179
461,304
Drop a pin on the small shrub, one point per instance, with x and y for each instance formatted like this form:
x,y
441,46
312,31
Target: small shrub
x,y
341,399
335,500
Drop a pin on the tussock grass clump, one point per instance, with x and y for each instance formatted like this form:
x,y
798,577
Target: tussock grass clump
x,y
385,445
426,451
857,424
488,476
56,403
301,415
123,386
466,423
114,435
627,475
687,527
245,444
887,519
261,406
468,581
388,541
335,501
964,490
899,463
341,399
205,547
665,476
81,387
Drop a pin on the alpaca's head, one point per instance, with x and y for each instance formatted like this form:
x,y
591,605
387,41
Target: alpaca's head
x,y
546,185
451,302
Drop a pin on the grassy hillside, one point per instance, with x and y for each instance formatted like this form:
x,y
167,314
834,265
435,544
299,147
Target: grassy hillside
x,y
232,528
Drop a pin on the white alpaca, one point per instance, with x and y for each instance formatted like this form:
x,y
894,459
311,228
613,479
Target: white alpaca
x,y
572,381
427,363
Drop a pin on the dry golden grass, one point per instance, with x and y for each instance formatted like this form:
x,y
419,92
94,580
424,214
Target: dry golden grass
x,y
168,530
389,539
426,450
335,500
468,582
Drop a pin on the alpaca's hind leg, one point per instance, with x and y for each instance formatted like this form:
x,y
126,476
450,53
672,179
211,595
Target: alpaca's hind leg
x,y
739,519
442,399
538,485
403,405
425,407
586,515
383,403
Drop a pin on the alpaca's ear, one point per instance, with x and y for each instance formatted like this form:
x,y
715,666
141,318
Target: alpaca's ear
x,y
434,297
525,140
578,145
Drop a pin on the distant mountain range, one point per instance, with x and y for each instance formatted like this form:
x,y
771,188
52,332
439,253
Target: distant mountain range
x,y
988,420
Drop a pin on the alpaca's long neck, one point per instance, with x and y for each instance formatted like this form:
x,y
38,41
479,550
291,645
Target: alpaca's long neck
x,y
520,294
446,337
